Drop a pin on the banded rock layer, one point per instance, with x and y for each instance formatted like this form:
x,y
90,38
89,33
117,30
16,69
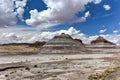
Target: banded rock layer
x,y
63,43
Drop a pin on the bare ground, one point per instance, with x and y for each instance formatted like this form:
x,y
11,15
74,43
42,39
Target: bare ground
x,y
114,76
57,67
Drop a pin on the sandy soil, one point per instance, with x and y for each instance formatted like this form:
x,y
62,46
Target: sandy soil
x,y
54,66
114,76
17,49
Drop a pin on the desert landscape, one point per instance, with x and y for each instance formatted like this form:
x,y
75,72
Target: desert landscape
x,y
87,62
59,40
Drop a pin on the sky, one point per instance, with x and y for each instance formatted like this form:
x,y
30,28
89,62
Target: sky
x,y
41,20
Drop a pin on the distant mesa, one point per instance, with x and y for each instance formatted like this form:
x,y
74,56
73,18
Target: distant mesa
x,y
101,41
63,43
37,44
79,40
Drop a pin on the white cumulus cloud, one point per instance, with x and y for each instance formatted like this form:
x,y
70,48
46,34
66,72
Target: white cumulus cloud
x,y
9,10
20,12
59,11
7,14
115,31
87,14
20,4
97,1
10,37
103,30
106,7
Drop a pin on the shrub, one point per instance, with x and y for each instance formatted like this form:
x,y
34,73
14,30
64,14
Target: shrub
x,y
103,75
27,68
6,75
35,66
54,75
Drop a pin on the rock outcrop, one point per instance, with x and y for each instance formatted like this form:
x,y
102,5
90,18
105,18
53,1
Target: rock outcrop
x,y
101,41
63,43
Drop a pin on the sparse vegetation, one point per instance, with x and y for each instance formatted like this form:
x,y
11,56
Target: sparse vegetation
x,y
103,75
13,72
27,68
6,75
38,72
41,75
65,67
54,67
17,49
35,66
54,75
69,67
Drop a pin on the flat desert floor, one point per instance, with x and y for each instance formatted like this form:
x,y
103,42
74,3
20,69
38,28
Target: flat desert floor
x,y
58,66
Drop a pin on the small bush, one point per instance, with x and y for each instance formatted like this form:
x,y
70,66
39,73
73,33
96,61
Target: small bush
x,y
54,67
94,76
11,72
54,75
27,68
35,66
65,67
38,72
6,75
103,75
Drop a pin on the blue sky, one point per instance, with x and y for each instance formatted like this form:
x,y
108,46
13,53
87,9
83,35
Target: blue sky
x,y
99,18
85,19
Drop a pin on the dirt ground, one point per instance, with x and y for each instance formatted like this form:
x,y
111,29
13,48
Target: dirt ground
x,y
114,75
57,66
17,49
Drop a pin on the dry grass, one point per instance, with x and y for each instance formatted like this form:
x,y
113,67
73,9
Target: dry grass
x,y
103,75
17,49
